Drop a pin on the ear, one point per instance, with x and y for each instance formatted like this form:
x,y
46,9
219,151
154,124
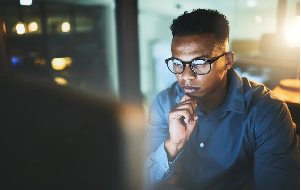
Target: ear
x,y
229,60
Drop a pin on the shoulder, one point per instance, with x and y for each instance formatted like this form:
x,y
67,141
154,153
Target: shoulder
x,y
263,107
259,96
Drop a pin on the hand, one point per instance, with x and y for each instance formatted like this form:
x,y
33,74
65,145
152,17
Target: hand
x,y
182,122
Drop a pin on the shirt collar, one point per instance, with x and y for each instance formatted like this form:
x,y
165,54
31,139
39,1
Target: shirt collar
x,y
235,100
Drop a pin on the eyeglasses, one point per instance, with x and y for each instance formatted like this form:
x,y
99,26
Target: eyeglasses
x,y
198,65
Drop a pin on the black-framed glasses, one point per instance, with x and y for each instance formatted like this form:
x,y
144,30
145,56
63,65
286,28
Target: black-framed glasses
x,y
199,66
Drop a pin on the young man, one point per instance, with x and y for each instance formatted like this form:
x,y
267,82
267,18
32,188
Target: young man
x,y
225,132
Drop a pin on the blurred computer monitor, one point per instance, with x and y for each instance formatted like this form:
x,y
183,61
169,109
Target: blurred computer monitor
x,y
53,137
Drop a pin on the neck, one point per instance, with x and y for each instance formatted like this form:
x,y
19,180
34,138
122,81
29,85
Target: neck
x,y
215,98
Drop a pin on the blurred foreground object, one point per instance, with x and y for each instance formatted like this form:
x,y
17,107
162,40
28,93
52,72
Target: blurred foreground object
x,y
53,137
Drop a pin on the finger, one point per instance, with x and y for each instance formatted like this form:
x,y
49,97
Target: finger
x,y
179,113
193,105
186,97
192,101
188,106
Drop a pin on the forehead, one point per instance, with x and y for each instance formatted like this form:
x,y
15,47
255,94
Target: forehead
x,y
204,44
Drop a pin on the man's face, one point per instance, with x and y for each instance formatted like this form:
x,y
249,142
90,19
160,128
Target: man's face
x,y
189,47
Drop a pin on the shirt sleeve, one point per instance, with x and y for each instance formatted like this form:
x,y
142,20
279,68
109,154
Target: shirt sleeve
x,y
157,167
276,155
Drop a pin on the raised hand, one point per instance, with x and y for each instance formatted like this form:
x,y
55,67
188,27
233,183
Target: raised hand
x,y
182,122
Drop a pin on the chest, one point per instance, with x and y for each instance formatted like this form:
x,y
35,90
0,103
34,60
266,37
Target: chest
x,y
219,147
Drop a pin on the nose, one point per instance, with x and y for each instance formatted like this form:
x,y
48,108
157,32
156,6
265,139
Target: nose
x,y
188,74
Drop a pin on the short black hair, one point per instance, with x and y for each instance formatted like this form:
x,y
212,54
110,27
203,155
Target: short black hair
x,y
201,21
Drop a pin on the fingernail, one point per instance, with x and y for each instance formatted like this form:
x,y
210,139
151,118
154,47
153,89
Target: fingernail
x,y
196,117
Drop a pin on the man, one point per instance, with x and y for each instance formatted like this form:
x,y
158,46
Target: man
x,y
225,132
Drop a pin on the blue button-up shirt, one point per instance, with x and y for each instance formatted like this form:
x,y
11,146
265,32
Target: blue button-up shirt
x,y
248,142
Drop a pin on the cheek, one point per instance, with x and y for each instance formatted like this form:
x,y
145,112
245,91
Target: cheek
x,y
211,80
220,66
180,79
203,80
218,71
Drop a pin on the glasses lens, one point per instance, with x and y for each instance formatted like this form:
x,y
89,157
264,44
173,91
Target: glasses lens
x,y
175,66
200,66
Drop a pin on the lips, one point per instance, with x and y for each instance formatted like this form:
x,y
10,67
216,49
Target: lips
x,y
189,89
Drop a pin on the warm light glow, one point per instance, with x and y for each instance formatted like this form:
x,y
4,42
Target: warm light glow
x,y
66,27
25,2
39,61
60,81
258,19
58,63
20,28
68,61
292,33
61,63
4,27
32,27
42,62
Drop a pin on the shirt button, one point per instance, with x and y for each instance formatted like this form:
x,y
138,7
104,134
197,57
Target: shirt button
x,y
202,145
206,119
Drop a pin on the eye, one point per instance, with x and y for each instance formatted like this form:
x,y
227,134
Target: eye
x,y
177,62
199,62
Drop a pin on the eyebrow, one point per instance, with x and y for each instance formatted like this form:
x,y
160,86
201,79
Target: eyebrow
x,y
199,57
203,56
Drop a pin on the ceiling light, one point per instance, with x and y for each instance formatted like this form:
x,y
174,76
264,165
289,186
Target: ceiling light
x,y
252,3
258,19
25,2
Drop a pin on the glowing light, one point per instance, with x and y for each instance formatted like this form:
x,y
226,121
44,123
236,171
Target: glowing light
x,y
42,62
60,81
61,63
32,27
20,28
258,19
58,63
292,33
39,61
68,61
14,61
65,27
4,28
25,2
252,3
